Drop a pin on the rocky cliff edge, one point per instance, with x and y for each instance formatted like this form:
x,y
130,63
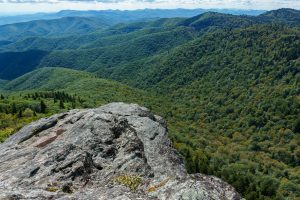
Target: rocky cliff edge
x,y
118,151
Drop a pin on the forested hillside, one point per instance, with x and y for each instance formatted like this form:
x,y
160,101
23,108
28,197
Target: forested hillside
x,y
15,64
287,16
55,27
47,91
229,87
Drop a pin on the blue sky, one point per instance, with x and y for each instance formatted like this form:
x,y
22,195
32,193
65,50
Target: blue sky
x,y
30,6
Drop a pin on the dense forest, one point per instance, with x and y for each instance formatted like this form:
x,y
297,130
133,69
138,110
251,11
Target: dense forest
x,y
228,86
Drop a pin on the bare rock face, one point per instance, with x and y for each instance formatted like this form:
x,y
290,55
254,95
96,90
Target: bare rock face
x,y
118,151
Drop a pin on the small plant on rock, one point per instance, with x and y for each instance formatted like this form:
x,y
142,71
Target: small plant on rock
x,y
130,181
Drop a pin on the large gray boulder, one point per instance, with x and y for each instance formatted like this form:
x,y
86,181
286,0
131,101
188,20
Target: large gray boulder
x,y
118,151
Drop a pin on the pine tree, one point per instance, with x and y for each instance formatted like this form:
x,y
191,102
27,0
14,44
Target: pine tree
x,y
20,114
43,106
14,108
61,104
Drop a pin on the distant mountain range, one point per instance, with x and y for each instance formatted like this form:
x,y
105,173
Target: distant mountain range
x,y
117,16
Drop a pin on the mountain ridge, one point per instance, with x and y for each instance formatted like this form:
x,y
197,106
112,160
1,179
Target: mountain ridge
x,y
54,27
85,43
154,13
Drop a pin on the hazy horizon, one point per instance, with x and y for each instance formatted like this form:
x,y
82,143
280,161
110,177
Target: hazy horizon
x,y
17,7
49,12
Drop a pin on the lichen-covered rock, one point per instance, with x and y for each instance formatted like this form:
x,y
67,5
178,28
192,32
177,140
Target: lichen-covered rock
x,y
118,151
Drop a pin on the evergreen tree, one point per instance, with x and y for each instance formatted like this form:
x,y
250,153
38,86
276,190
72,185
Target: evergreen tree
x,y
14,108
61,104
43,106
20,114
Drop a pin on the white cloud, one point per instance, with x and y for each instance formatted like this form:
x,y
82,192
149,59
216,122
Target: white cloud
x,y
7,6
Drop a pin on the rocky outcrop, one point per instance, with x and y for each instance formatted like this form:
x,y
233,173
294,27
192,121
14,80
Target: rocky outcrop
x,y
118,151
